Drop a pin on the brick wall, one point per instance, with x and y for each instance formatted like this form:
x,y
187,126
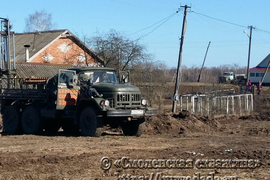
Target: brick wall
x,y
63,51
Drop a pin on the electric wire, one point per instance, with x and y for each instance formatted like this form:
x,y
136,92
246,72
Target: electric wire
x,y
153,24
161,21
220,20
158,25
230,22
262,30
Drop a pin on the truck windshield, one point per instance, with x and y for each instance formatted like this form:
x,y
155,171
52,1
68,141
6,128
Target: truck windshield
x,y
98,76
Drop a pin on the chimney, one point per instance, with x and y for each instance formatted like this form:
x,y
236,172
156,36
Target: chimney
x,y
26,52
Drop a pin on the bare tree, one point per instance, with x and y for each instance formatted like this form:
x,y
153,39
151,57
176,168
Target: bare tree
x,y
118,51
5,26
39,21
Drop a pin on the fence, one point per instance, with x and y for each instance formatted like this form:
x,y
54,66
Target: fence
x,y
204,104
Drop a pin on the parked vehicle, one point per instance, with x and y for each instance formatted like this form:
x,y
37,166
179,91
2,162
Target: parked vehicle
x,y
227,77
84,99
231,78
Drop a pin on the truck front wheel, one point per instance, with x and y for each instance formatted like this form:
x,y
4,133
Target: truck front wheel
x,y
11,120
31,122
133,128
88,122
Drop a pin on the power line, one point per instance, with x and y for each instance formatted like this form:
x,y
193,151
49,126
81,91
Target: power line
x,y
229,22
157,26
219,20
262,30
165,19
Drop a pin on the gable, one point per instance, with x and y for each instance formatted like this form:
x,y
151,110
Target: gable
x,y
36,40
63,51
264,62
57,46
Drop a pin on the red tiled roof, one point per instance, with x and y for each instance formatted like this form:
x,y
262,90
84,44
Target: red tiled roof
x,y
259,69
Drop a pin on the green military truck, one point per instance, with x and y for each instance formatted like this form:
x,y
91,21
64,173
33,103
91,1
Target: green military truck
x,y
83,98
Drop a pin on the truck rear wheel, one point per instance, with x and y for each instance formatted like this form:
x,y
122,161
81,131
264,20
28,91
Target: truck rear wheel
x,y
133,128
31,122
88,122
11,120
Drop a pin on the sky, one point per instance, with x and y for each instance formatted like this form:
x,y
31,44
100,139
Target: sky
x,y
219,21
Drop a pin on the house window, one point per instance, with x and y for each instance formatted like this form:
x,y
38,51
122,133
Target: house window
x,y
258,74
64,47
48,57
252,74
81,57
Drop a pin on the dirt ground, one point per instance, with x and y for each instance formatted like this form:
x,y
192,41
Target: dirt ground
x,y
179,136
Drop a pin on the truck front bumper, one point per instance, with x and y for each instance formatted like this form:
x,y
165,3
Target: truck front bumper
x,y
132,112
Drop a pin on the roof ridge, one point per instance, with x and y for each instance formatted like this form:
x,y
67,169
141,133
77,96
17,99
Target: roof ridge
x,y
57,30
44,64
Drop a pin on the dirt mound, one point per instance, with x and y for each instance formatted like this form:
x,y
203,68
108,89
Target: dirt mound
x,y
163,124
260,116
259,131
183,123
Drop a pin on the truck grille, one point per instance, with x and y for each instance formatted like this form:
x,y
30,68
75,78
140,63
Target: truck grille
x,y
127,100
123,97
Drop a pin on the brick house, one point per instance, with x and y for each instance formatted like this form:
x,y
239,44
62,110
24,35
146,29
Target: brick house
x,y
53,47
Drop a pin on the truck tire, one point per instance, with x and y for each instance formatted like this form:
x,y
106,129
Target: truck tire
x,y
31,122
11,120
88,122
133,128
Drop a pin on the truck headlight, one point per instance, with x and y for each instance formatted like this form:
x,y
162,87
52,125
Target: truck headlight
x,y
105,103
144,102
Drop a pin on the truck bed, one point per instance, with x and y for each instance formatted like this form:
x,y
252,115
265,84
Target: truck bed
x,y
23,94
27,88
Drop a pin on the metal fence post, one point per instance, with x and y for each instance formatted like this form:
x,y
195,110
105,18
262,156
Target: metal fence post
x,y
251,102
207,105
240,108
181,103
246,101
227,105
192,105
187,102
232,104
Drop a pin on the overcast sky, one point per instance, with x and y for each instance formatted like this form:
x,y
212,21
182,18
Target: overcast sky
x,y
219,21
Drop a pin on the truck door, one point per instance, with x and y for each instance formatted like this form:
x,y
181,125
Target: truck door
x,y
67,90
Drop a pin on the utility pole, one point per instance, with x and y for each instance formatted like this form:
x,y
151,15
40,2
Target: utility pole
x,y
178,74
249,49
204,61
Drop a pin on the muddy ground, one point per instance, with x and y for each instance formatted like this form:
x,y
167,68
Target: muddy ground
x,y
168,136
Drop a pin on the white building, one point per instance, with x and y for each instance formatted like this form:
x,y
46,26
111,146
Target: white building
x,y
256,73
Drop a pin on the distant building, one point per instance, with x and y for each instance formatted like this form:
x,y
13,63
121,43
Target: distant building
x,y
53,47
256,73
